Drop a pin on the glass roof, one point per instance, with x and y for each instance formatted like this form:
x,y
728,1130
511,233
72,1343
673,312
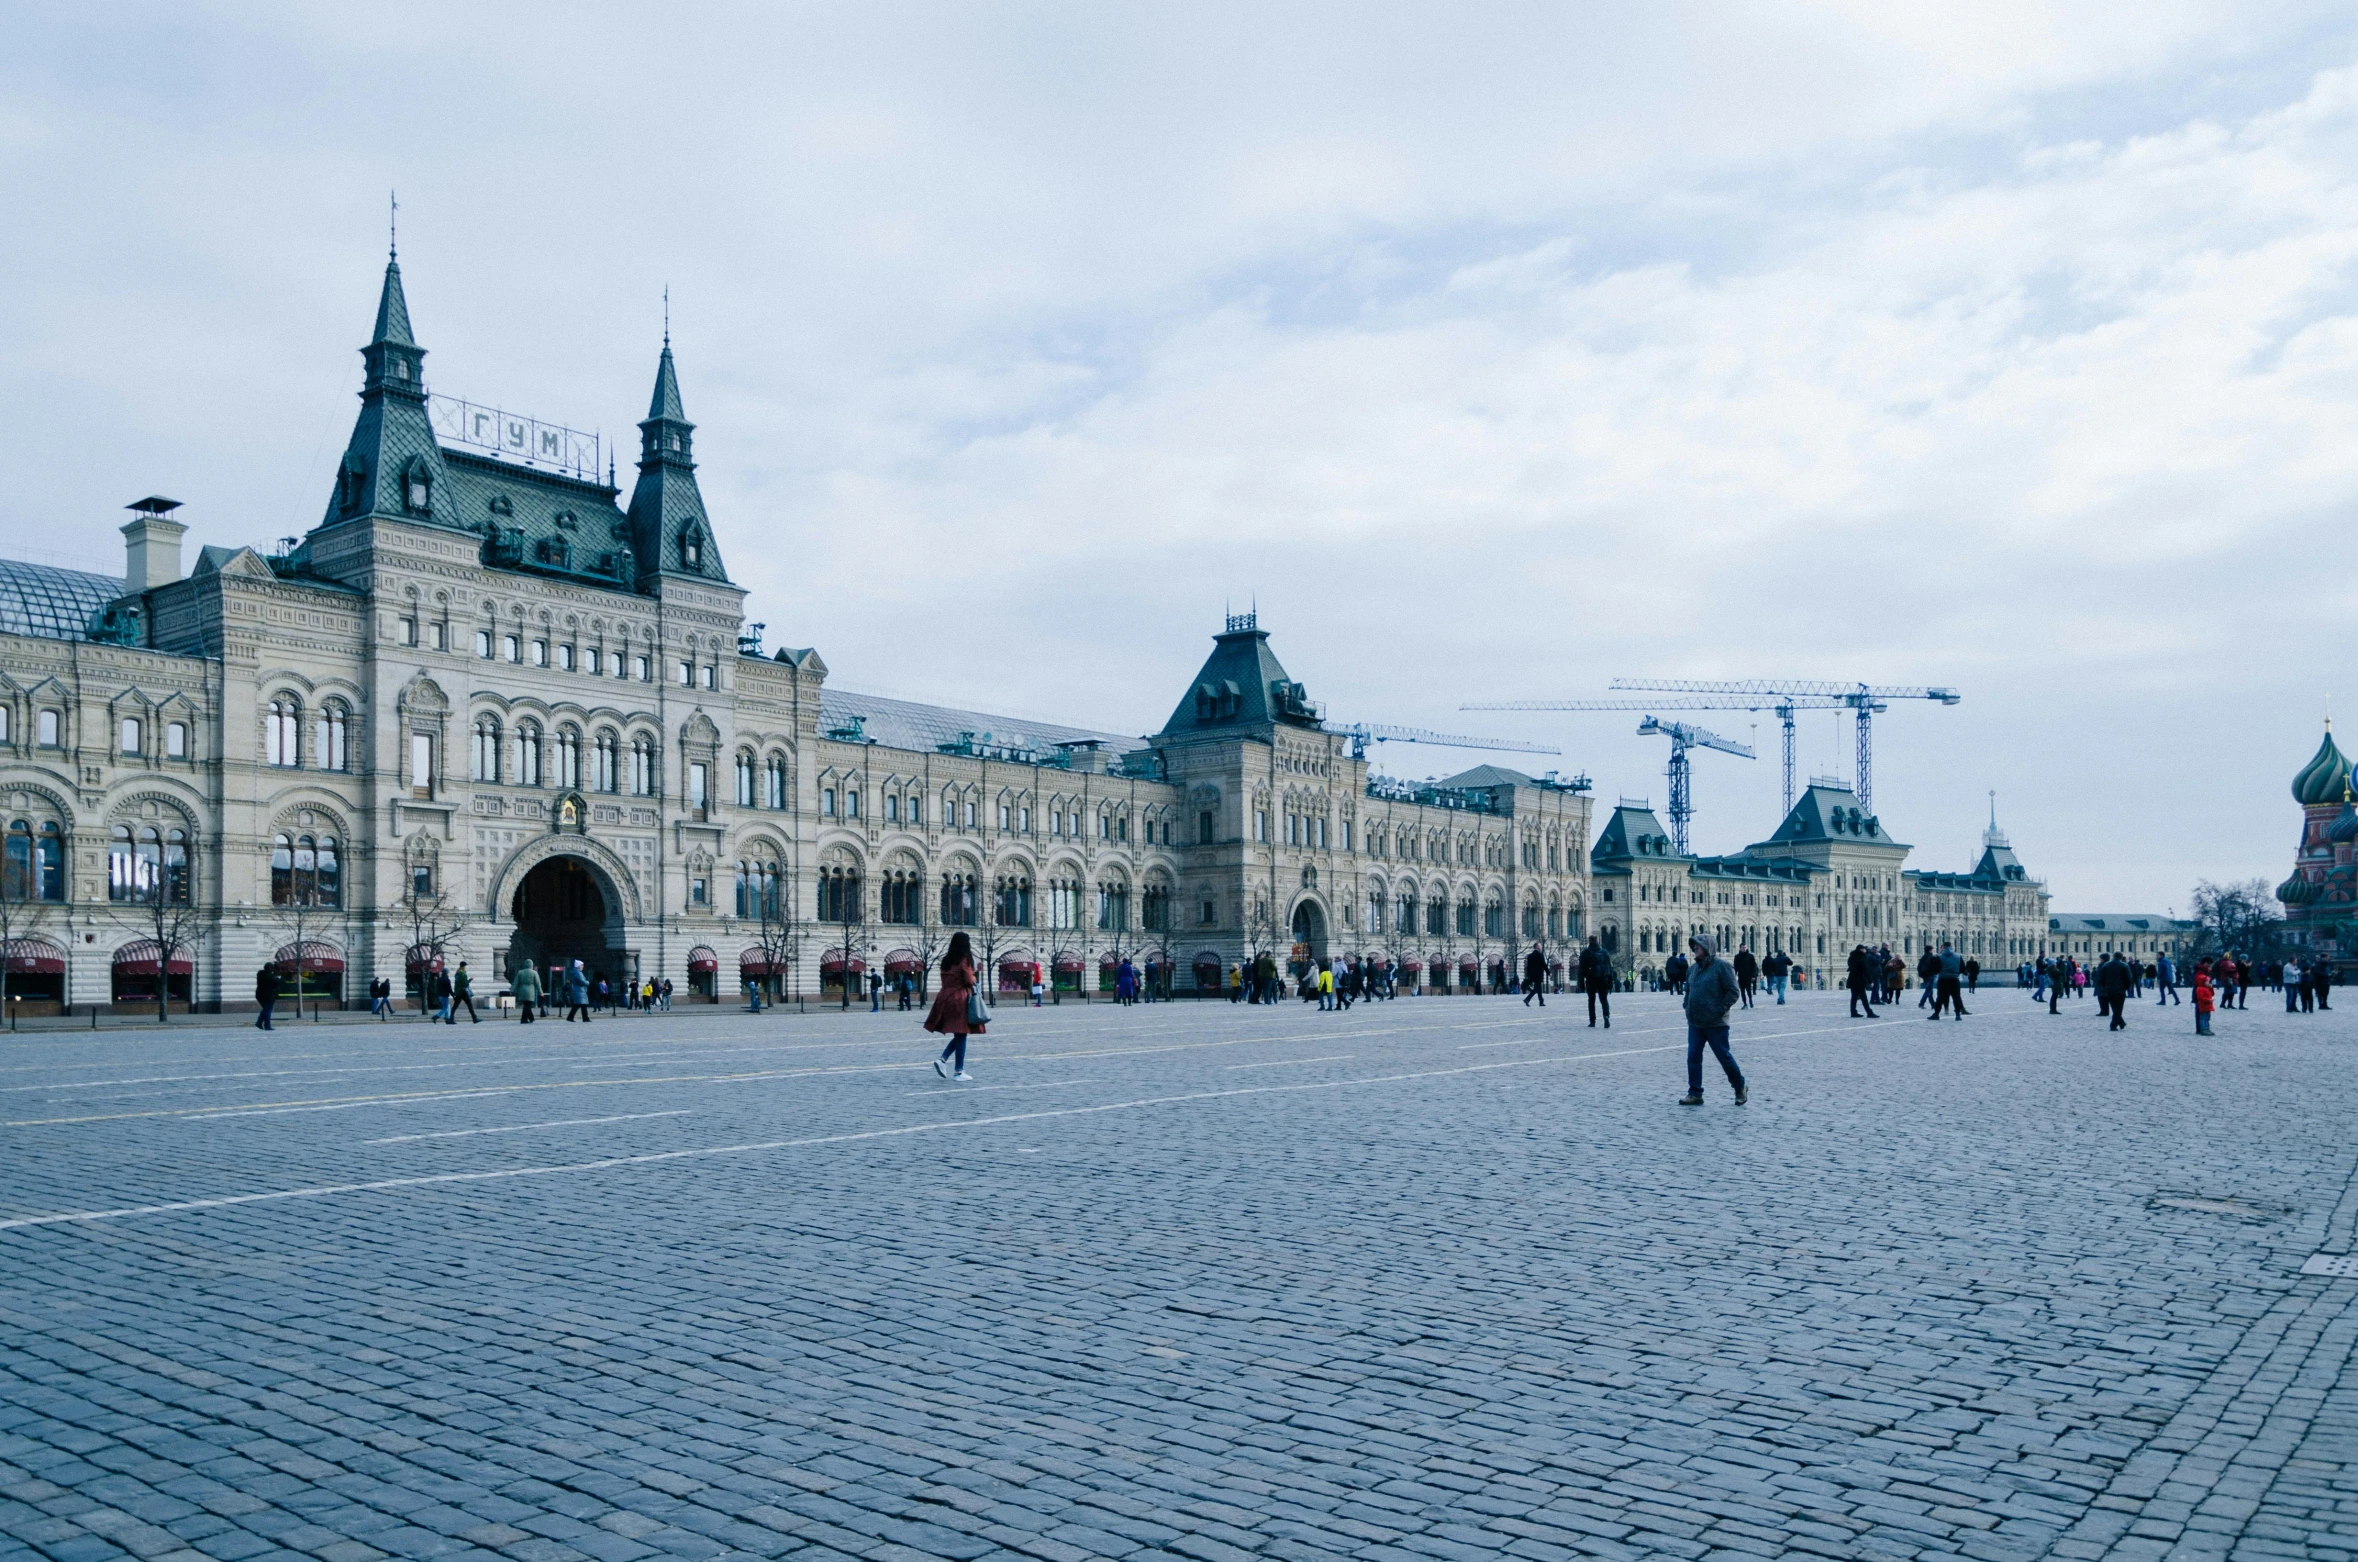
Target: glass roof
x,y
54,603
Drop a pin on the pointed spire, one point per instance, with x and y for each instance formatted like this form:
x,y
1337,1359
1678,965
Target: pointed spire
x,y
665,405
392,312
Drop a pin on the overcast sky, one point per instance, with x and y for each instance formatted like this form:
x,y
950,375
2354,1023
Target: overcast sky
x,y
1497,351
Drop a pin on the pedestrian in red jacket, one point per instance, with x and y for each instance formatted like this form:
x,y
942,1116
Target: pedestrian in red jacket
x,y
2203,1000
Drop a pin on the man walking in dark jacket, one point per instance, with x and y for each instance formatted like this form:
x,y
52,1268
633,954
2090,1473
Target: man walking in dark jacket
x,y
1747,972
1596,980
1857,982
1951,993
1535,977
2112,990
1711,992
266,996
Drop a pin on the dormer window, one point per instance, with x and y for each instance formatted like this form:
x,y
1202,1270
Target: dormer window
x,y
675,441
353,482
418,491
691,549
501,504
565,520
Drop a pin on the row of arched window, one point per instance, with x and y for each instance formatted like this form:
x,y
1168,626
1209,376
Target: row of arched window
x,y
536,758
761,783
282,734
147,865
32,865
305,871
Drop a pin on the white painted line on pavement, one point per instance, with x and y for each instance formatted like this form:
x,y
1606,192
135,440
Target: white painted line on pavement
x,y
709,1152
1339,1057
212,1114
517,1128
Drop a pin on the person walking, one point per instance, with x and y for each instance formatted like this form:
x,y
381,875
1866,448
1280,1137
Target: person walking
x,y
1927,977
2295,981
442,996
525,984
1711,993
1952,977
265,996
1596,980
2243,981
2165,981
2321,982
1674,972
2202,1000
875,992
1535,977
2112,990
1973,976
1777,967
462,990
380,998
577,993
1747,973
958,1010
1856,980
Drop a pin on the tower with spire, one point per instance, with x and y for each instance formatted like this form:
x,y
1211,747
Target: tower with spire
x,y
668,531
392,466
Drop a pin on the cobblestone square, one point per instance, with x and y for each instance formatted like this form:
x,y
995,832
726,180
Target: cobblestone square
x,y
1430,1279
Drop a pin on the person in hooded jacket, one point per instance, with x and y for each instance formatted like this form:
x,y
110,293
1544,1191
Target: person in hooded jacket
x,y
2112,989
1596,980
1856,978
1711,993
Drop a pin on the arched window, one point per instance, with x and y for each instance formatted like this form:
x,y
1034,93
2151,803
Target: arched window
x,y
1011,902
691,540
958,900
774,783
568,757
304,871
758,885
34,862
124,878
744,780
282,731
902,898
839,895
606,772
527,754
486,748
176,867
642,766
1113,907
329,735
1154,908
417,489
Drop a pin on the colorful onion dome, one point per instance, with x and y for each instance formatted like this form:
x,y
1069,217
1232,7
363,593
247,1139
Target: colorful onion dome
x,y
2296,891
2345,825
2324,778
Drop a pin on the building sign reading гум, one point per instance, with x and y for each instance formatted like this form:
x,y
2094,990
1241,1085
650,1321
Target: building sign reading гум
x,y
519,438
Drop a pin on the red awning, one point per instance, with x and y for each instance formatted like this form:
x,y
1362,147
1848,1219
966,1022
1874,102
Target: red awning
x,y
833,965
1412,965
900,965
1068,962
39,957
754,965
139,959
314,956
702,961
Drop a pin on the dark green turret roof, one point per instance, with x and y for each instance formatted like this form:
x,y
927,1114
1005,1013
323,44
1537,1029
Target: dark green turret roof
x,y
1631,831
2324,778
1828,811
392,465
669,531
1242,690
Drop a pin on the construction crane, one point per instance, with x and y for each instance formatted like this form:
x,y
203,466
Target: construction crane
x,y
1783,700
1682,738
1865,701
1362,733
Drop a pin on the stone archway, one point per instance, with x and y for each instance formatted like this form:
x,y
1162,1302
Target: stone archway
x,y
566,908
1309,928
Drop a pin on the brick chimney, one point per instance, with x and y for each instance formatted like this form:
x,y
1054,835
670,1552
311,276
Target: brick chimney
x,y
152,544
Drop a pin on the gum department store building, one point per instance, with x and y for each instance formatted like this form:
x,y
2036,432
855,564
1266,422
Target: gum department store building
x,y
486,710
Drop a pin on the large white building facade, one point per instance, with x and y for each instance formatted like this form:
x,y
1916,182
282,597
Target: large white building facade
x,y
492,709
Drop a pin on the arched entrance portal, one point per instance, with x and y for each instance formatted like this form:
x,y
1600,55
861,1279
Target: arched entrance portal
x,y
565,911
1309,933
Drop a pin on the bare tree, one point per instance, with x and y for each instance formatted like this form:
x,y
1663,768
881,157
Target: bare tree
x,y
777,932
158,900
2240,918
929,934
435,922
302,922
22,912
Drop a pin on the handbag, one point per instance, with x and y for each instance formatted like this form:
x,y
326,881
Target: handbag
x,y
976,1014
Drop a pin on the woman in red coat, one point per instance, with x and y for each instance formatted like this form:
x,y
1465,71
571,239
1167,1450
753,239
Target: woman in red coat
x,y
957,1009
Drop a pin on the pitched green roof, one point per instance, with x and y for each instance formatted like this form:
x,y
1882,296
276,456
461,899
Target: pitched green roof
x,y
1241,687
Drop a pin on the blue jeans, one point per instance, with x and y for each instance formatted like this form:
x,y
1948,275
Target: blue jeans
x,y
1716,1038
1777,986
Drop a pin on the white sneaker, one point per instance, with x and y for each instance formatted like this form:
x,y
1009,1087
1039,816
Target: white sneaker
x,y
964,1077
938,1069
